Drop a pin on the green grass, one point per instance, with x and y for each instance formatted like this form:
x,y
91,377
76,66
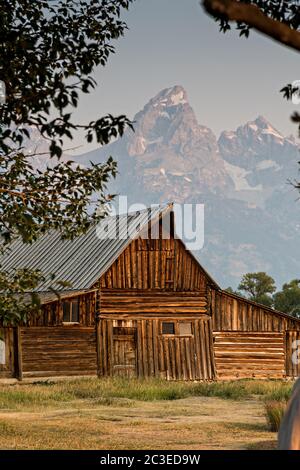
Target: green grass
x,y
108,391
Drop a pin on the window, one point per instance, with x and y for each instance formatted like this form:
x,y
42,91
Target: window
x,y
185,328
168,328
71,311
178,328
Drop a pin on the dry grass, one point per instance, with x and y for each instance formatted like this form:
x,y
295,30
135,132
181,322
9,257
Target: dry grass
x,y
190,423
120,414
274,413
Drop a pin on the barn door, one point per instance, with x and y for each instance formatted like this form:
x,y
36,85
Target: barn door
x,y
124,351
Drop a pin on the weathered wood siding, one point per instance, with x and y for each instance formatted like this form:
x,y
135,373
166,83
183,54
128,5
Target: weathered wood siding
x,y
249,338
292,358
8,364
58,351
52,314
230,313
190,357
155,265
152,281
152,354
152,304
245,354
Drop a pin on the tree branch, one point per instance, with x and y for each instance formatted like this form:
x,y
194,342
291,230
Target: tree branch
x,y
233,10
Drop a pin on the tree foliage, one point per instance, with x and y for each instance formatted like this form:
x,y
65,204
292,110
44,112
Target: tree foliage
x,y
48,52
258,287
277,19
16,305
230,290
288,299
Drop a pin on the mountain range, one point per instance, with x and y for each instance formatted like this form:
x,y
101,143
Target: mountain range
x,y
242,178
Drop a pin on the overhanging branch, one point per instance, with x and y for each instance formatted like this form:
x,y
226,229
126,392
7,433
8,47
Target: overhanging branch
x,y
254,17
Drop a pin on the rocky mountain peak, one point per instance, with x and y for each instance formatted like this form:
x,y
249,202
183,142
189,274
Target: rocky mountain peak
x,y
254,142
168,120
262,123
169,97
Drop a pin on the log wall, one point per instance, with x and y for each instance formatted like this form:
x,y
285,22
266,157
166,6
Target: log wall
x,y
51,314
155,265
55,351
244,354
152,304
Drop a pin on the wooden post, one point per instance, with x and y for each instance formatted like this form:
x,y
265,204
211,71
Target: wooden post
x,y
18,353
98,346
172,235
98,329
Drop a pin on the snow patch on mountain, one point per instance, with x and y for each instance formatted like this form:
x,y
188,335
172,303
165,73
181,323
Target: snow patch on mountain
x,y
267,164
239,177
178,98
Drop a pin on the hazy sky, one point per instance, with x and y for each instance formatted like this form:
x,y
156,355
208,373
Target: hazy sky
x,y
229,80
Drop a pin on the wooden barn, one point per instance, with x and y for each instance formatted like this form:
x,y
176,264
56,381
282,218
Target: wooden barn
x,y
139,304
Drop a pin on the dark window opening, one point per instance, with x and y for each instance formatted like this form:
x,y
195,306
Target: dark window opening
x,y
71,311
168,328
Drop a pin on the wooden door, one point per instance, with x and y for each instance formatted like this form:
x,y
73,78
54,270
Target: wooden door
x,y
124,351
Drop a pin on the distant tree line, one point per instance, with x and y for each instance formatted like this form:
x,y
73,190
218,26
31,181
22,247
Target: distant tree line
x,y
261,288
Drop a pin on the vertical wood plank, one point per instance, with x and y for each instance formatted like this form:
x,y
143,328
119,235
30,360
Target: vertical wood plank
x,y
18,352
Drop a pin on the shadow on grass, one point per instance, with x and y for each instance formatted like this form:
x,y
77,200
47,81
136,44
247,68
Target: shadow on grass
x,y
262,445
258,427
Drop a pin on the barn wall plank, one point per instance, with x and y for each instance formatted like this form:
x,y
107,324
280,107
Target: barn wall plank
x,y
237,314
49,351
241,354
162,264
175,356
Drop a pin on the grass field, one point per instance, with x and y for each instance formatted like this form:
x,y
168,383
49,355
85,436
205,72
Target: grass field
x,y
120,414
